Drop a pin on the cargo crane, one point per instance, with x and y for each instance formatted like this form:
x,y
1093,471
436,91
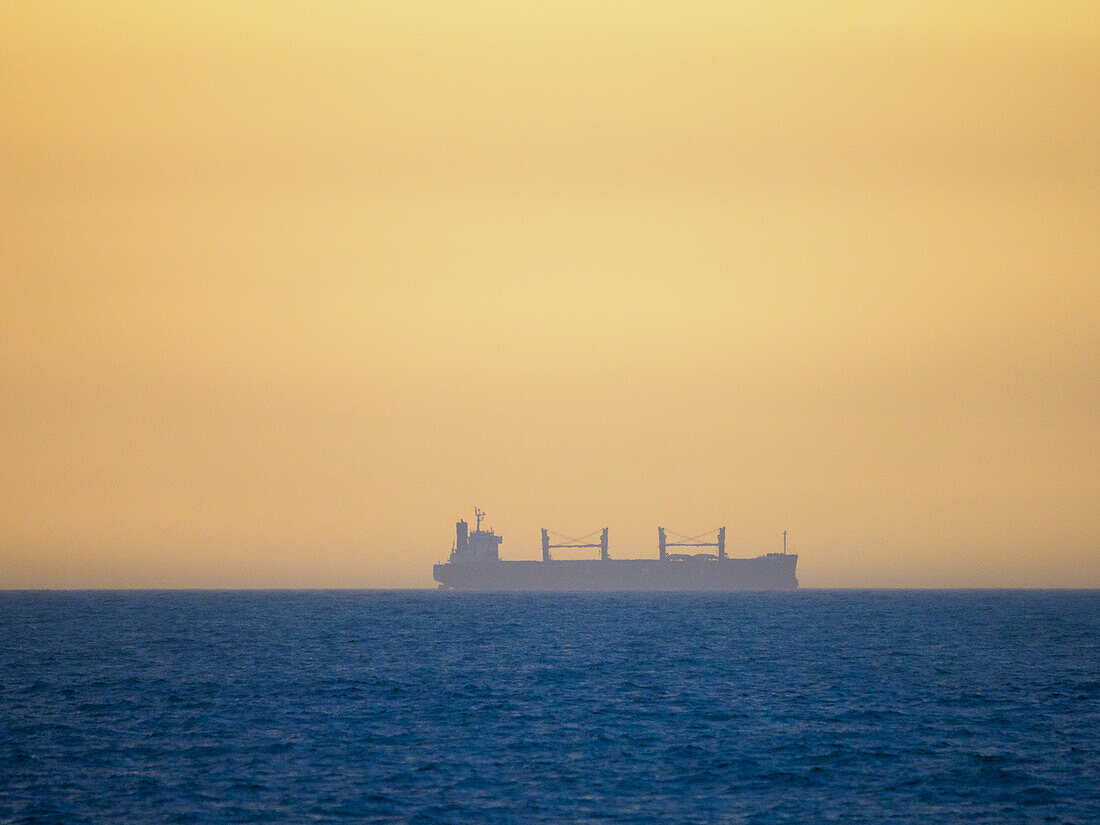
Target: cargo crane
x,y
663,544
574,544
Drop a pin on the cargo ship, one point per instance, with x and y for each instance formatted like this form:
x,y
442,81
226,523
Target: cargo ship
x,y
475,565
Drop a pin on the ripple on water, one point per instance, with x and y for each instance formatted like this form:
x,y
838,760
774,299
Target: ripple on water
x,y
432,707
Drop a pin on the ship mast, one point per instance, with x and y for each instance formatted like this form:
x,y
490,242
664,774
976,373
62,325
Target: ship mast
x,y
480,514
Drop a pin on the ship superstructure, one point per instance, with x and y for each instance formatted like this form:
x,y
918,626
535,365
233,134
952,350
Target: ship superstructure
x,y
475,564
480,545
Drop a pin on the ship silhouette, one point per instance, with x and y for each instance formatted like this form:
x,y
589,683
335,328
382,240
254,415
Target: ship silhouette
x,y
475,564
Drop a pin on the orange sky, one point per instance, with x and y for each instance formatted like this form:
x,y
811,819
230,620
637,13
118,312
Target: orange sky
x,y
286,289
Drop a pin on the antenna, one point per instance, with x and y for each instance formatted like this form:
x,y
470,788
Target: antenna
x,y
784,542
480,515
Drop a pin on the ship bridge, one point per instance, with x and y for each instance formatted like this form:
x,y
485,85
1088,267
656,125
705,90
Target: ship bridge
x,y
479,545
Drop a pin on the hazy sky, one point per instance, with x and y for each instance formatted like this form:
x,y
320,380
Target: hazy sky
x,y
287,288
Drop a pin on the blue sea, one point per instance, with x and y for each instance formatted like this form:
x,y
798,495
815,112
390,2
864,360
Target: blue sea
x,y
431,707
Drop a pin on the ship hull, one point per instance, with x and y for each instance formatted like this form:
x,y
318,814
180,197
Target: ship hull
x,y
774,571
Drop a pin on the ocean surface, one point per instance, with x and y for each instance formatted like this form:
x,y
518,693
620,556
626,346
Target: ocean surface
x,y
429,707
